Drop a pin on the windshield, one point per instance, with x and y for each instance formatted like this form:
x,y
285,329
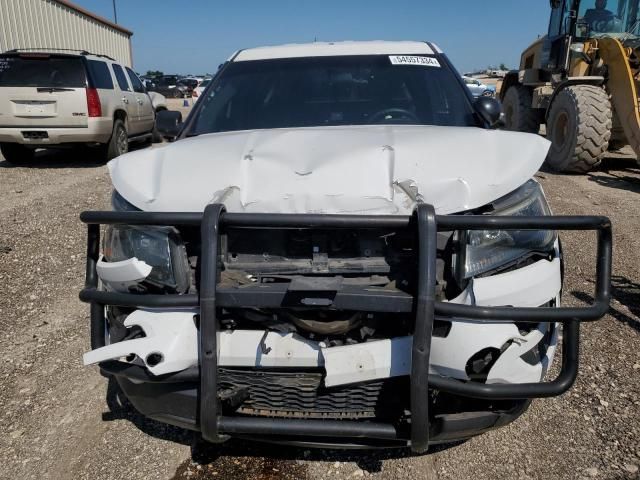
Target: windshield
x,y
326,91
608,18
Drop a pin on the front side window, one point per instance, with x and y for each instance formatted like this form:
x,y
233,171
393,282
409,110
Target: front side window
x,y
560,23
135,81
328,91
121,78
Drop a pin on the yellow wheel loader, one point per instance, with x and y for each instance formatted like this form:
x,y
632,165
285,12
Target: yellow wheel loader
x,y
581,80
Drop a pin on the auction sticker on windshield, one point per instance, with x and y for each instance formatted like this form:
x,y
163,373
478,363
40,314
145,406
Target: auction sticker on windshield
x,y
414,60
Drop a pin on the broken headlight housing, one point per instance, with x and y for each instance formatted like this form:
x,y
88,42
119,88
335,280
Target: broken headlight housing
x,y
159,247
483,251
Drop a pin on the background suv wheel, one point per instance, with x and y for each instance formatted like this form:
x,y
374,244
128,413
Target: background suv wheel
x,y
16,153
119,142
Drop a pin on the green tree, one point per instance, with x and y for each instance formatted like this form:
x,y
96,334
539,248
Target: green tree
x,y
154,73
503,67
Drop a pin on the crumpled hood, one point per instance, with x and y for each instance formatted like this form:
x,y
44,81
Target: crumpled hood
x,y
354,170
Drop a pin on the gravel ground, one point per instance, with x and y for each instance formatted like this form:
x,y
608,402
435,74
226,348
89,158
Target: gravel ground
x,y
63,421
594,430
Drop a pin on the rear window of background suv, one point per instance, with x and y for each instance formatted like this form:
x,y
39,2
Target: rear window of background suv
x,y
42,71
99,75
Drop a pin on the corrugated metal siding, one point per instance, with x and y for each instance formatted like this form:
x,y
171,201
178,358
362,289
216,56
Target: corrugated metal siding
x,y
48,24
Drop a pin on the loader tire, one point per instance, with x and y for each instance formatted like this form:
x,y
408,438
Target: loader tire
x,y
579,128
518,114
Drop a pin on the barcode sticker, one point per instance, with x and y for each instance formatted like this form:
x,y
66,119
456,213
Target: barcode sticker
x,y
414,60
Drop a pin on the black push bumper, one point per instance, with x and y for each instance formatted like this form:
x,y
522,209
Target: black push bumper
x,y
215,426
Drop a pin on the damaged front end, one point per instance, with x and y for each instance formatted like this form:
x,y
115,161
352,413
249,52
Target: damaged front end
x,y
335,329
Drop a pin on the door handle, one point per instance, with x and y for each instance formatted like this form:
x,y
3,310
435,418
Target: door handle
x,y
140,102
125,100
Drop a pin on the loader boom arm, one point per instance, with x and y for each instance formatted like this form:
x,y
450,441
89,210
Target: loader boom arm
x,y
621,85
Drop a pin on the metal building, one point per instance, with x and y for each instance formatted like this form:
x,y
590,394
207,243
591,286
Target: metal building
x,y
61,24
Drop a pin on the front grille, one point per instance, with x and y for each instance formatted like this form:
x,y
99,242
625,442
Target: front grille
x,y
303,395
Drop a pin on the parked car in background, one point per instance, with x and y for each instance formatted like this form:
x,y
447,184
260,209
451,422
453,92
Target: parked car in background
x,y
158,101
149,82
479,89
189,84
197,80
497,73
169,80
199,90
170,86
50,99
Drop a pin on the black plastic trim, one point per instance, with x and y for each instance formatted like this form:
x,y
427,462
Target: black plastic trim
x,y
310,428
426,224
423,328
209,323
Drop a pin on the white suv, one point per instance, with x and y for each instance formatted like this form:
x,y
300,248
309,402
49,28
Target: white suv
x,y
56,99
340,248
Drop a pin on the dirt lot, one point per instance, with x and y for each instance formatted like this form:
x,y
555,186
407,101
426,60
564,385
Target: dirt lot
x,y
61,421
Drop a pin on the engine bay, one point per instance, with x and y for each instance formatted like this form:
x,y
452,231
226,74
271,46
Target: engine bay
x,y
328,261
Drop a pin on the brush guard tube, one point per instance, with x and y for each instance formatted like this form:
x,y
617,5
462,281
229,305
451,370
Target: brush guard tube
x,y
215,427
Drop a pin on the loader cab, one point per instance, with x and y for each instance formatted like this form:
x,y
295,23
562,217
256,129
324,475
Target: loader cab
x,y
574,21
611,18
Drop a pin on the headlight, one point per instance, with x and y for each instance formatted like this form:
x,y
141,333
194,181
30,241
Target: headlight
x,y
486,250
119,204
159,247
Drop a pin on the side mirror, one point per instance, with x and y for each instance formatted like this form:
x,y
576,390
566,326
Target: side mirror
x,y
490,110
168,124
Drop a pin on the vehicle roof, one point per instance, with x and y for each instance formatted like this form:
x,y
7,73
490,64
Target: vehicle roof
x,y
328,49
